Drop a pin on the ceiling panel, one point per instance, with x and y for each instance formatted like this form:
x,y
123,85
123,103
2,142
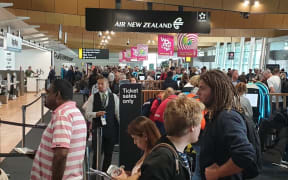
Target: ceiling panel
x,y
283,6
273,20
126,4
235,5
266,6
66,6
36,17
217,19
87,4
255,21
234,20
110,4
23,4
72,20
180,2
43,5
54,18
208,3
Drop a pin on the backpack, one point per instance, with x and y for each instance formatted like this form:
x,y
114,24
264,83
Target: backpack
x,y
254,139
284,86
145,109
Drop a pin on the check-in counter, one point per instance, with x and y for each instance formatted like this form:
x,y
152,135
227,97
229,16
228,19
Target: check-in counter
x,y
35,84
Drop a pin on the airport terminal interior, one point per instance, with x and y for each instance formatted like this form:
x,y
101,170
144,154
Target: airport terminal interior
x,y
124,62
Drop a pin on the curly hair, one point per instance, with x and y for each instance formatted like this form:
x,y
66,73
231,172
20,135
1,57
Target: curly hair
x,y
223,92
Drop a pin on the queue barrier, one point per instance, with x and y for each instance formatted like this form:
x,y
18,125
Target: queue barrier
x,y
41,125
278,95
152,84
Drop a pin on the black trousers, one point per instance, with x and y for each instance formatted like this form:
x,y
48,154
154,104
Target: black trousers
x,y
107,149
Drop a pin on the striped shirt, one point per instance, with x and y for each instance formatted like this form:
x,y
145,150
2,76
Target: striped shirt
x,y
67,129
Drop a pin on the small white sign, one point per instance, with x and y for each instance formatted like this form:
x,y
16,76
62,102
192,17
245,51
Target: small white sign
x,y
12,43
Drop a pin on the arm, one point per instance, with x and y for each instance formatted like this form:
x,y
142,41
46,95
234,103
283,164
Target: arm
x,y
59,163
116,100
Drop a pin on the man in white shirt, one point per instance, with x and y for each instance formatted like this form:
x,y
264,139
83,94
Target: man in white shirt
x,y
103,109
111,75
274,84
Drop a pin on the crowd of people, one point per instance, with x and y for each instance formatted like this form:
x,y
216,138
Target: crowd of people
x,y
208,113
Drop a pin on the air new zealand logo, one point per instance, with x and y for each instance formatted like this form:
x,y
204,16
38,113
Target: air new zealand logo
x,y
178,22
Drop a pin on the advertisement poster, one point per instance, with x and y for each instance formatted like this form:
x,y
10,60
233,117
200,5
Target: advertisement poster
x,y
128,55
165,45
134,53
142,52
121,57
187,45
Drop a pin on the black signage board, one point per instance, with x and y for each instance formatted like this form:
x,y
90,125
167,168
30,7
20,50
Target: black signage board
x,y
147,21
130,108
95,53
272,66
231,55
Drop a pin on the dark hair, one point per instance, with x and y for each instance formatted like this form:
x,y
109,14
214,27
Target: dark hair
x,y
64,87
170,74
223,91
144,126
276,71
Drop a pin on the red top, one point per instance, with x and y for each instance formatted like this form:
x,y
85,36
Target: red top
x,y
160,111
153,109
163,76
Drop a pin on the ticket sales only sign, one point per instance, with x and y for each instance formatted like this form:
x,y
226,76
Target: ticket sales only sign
x,y
147,21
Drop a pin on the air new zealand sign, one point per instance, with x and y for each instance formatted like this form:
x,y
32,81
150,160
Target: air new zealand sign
x,y
147,21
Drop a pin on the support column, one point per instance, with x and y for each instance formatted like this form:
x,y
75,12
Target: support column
x,y
224,58
265,51
242,44
252,52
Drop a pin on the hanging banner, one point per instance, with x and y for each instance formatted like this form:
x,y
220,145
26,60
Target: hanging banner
x,y
12,43
147,21
187,45
165,45
142,52
134,53
121,57
128,55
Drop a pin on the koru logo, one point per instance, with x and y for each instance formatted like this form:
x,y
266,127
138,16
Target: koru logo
x,y
202,16
178,22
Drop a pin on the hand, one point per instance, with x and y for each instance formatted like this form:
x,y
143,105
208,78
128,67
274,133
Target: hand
x,y
123,175
211,172
100,113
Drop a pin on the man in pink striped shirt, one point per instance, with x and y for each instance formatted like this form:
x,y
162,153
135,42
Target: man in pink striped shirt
x,y
62,148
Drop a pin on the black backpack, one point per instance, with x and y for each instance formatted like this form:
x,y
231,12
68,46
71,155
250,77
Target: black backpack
x,y
254,139
284,86
146,107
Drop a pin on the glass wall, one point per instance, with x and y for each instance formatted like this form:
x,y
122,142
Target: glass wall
x,y
248,58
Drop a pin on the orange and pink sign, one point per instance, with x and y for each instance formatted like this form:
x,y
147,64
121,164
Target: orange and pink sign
x,y
165,45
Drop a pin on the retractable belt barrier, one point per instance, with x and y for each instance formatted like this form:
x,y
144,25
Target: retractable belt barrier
x,y
24,125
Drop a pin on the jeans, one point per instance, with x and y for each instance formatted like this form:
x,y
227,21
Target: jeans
x,y
197,175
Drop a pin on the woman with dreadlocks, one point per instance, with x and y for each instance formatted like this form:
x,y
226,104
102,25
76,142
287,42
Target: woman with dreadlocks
x,y
225,148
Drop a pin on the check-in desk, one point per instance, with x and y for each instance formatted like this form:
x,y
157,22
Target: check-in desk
x,y
35,84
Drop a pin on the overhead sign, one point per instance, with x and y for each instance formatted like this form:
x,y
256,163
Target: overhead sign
x,y
147,21
7,60
165,45
187,45
12,43
93,53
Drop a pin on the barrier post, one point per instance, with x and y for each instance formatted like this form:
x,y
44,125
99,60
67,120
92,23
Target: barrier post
x,y
23,127
42,107
98,149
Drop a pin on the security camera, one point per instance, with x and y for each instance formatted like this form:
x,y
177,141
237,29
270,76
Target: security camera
x,y
128,42
245,15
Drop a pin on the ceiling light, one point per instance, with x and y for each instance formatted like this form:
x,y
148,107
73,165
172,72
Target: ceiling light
x,y
104,37
256,3
246,2
108,37
112,32
99,34
107,32
149,41
106,41
153,42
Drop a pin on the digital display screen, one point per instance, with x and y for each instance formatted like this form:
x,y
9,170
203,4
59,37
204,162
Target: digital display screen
x,y
141,77
253,98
